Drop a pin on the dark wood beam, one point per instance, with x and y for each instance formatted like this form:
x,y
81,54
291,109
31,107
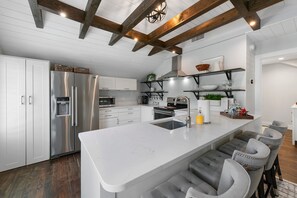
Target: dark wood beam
x,y
256,5
196,10
135,17
207,26
251,18
90,12
37,13
75,14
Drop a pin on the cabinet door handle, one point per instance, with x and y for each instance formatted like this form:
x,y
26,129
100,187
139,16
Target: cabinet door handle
x,y
22,100
130,121
130,113
30,100
72,106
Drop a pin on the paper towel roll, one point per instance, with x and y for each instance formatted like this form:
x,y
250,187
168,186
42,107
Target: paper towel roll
x,y
205,110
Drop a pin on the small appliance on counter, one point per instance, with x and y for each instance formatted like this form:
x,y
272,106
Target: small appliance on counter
x,y
106,101
144,99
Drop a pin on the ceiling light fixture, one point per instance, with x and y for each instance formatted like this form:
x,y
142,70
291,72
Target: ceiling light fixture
x,y
252,23
281,58
63,14
158,13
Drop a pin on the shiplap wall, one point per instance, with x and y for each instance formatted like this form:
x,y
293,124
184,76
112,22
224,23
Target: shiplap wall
x,y
234,52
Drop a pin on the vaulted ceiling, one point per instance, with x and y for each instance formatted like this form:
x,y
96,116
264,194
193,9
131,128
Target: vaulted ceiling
x,y
225,12
61,39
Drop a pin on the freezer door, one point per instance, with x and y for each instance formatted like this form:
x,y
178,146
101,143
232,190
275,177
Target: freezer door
x,y
62,119
86,104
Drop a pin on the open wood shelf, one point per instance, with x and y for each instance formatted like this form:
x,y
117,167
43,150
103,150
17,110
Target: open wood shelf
x,y
159,93
228,73
228,92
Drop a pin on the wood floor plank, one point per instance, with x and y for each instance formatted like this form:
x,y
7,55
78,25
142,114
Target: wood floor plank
x,y
288,158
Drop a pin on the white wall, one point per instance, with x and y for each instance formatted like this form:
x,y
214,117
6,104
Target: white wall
x,y
234,52
279,92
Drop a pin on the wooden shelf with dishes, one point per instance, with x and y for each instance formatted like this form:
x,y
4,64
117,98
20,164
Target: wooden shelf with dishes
x,y
228,73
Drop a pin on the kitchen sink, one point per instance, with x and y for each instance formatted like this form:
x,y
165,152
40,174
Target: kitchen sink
x,y
170,125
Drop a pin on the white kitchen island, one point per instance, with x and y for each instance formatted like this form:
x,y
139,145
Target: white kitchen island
x,y
125,161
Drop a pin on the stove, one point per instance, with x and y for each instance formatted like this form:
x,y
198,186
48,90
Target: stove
x,y
168,111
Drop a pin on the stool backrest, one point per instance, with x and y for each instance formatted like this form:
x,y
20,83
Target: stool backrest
x,y
253,160
273,140
279,126
234,182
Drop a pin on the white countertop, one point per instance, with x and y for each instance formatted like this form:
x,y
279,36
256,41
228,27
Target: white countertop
x,y
294,106
131,105
127,154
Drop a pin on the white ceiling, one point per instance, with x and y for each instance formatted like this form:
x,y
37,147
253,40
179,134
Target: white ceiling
x,y
58,41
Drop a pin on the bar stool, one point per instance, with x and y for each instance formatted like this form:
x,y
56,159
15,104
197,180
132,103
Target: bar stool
x,y
272,139
253,159
282,128
234,182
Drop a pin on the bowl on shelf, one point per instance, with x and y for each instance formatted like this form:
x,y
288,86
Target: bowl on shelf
x,y
202,67
209,87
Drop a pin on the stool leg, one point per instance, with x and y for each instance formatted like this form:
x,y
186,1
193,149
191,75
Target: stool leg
x,y
278,169
270,190
261,188
273,179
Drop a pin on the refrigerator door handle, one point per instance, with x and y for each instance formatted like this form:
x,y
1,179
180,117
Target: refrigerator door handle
x,y
76,124
72,106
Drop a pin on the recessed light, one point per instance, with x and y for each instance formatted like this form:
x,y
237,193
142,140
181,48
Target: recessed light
x,y
63,14
281,58
252,23
135,39
173,51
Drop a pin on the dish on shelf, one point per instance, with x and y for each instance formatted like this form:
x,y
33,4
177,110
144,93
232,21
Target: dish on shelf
x,y
209,87
202,67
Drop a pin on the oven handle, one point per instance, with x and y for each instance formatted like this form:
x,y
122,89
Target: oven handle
x,y
171,113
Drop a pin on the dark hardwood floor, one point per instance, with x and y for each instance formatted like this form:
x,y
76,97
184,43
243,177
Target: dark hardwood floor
x,y
56,178
288,158
61,177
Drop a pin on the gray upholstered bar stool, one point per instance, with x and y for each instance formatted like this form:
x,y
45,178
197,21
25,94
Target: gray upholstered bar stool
x,y
235,182
282,128
209,166
272,139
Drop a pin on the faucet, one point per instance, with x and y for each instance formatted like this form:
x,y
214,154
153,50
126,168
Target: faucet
x,y
188,119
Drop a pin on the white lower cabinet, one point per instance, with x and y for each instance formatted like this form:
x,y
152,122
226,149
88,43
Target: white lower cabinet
x,y
147,113
24,111
110,117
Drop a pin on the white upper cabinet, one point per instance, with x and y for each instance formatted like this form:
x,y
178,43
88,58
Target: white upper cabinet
x,y
38,110
12,113
126,84
112,83
107,83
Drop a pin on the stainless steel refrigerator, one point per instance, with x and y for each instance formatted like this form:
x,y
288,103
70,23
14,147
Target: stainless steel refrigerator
x,y
74,109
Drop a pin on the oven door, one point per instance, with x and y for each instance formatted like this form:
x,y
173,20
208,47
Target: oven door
x,y
159,114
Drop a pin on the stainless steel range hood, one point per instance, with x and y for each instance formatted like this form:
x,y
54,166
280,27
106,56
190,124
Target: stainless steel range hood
x,y
176,69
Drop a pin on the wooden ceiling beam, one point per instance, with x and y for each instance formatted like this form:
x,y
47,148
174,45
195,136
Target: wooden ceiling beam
x,y
37,13
256,5
90,11
251,18
207,26
135,17
196,10
75,14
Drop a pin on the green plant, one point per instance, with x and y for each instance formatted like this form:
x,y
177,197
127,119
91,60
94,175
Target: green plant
x,y
213,97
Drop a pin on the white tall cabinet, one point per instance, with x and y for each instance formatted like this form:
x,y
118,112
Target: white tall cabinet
x,y
24,111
